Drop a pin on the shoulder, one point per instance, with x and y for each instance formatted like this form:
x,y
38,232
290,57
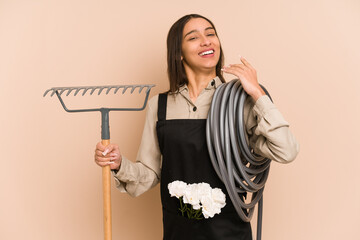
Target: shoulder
x,y
172,102
153,103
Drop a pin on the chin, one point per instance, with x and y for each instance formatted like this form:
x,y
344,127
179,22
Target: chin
x,y
210,66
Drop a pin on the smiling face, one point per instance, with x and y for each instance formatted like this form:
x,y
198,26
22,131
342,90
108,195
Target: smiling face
x,y
200,46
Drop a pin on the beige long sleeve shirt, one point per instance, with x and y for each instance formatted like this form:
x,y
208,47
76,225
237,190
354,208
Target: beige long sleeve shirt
x,y
269,135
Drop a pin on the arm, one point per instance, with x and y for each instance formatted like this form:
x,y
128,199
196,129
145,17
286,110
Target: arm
x,y
269,133
137,177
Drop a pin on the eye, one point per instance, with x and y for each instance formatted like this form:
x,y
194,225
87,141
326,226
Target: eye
x,y
192,38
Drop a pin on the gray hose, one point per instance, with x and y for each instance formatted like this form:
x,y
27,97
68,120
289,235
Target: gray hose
x,y
239,168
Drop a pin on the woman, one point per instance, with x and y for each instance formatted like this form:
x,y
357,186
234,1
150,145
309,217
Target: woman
x,y
173,145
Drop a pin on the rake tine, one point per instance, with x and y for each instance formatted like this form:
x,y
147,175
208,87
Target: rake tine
x,y
53,92
149,88
62,90
125,88
141,88
101,89
85,90
46,92
93,90
77,91
69,91
109,89
117,89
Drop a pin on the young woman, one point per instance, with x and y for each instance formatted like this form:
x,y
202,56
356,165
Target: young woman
x,y
173,146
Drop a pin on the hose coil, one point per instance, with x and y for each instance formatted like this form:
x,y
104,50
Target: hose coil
x,y
236,164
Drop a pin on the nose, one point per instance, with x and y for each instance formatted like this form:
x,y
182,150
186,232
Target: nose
x,y
205,41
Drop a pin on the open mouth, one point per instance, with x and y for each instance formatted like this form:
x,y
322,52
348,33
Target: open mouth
x,y
207,52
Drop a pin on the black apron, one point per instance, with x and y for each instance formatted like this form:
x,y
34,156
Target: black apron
x,y
185,157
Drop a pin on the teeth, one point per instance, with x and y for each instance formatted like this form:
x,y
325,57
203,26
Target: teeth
x,y
207,53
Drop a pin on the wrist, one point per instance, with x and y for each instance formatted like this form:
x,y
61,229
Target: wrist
x,y
257,94
115,170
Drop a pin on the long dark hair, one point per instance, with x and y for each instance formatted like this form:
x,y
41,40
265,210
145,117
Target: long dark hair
x,y
176,70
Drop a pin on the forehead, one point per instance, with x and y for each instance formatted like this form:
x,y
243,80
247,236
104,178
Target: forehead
x,y
197,24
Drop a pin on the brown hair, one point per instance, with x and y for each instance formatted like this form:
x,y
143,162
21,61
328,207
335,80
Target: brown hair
x,y
176,71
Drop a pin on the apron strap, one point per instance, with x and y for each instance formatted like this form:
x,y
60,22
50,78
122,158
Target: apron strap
x,y
162,102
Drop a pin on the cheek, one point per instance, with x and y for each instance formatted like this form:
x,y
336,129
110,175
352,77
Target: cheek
x,y
188,51
217,44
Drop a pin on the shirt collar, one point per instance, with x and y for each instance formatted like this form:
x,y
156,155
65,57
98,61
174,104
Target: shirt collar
x,y
213,84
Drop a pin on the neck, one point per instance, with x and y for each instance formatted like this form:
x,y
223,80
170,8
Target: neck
x,y
197,82
198,79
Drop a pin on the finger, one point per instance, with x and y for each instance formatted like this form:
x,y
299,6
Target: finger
x,y
100,154
113,154
100,147
246,63
244,70
239,66
102,159
235,68
103,164
113,148
237,73
113,165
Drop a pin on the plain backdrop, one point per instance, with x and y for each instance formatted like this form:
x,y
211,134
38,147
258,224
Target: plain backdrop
x,y
306,53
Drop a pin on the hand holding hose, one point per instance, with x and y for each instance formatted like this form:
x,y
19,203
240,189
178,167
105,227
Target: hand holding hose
x,y
247,76
108,155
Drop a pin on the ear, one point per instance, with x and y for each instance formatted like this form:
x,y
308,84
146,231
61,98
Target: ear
x,y
181,58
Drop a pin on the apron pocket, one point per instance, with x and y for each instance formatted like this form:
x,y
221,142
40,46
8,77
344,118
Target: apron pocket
x,y
221,227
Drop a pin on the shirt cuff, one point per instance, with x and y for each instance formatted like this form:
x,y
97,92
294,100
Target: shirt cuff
x,y
262,105
120,174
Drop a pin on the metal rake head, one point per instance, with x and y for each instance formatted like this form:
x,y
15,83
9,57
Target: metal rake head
x,y
92,89
107,89
105,132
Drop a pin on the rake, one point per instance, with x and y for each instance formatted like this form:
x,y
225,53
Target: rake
x,y
105,131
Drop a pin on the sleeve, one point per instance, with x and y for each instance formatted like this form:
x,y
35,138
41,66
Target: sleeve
x,y
137,177
269,133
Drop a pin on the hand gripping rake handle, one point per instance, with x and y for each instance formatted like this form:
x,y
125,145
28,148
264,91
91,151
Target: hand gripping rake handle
x,y
105,131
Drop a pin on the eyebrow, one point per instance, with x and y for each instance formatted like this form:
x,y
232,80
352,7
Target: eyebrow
x,y
208,28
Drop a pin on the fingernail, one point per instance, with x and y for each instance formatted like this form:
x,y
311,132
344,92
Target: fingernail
x,y
240,56
105,152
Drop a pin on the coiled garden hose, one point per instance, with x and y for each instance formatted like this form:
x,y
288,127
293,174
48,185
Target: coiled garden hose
x,y
236,164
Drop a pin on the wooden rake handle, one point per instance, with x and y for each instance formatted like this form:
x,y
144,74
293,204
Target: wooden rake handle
x,y
106,179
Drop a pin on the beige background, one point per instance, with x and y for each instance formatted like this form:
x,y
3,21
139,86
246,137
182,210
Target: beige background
x,y
306,53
